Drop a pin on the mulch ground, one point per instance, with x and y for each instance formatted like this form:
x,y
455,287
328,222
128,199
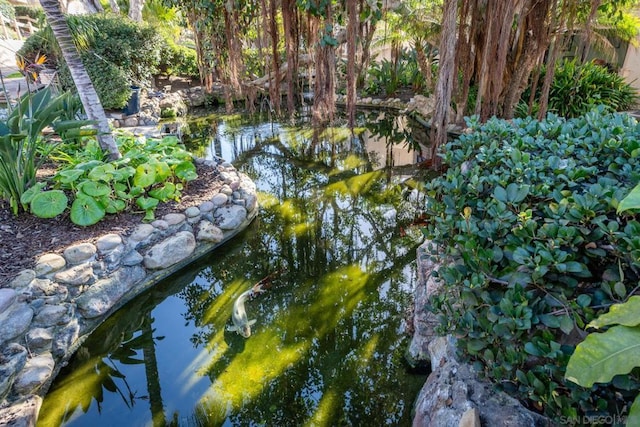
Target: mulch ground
x,y
25,237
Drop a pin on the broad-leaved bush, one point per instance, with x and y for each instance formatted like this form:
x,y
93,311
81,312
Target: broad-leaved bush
x,y
525,222
117,53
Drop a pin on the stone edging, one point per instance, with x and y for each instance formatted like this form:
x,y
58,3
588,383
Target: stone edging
x,y
48,311
454,395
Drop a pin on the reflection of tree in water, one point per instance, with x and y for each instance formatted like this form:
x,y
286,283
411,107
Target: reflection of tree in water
x,y
320,214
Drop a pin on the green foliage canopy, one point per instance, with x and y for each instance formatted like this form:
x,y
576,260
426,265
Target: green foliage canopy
x,y
526,213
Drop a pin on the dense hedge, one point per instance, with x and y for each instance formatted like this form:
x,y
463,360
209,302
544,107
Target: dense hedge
x,y
120,53
527,214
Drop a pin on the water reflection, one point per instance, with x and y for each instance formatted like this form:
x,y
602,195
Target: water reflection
x,y
328,343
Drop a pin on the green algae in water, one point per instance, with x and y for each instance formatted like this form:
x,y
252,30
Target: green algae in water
x,y
328,342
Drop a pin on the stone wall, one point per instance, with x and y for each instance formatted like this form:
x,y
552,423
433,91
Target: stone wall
x,y
454,395
47,312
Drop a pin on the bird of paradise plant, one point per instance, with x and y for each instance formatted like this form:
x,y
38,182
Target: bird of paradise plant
x,y
31,70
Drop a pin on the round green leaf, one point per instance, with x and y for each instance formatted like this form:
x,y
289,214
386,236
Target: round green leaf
x,y
145,175
115,206
102,173
28,195
163,171
49,204
94,189
86,210
70,175
186,171
164,193
147,203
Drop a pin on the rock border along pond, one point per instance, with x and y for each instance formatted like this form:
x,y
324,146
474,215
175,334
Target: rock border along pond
x,y
48,311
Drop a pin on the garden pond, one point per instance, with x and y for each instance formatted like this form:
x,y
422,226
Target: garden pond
x,y
334,245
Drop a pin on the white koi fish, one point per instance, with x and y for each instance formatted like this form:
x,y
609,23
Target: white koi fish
x,y
241,322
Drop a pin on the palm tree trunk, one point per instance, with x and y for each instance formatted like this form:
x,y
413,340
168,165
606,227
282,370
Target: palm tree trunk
x,y
86,90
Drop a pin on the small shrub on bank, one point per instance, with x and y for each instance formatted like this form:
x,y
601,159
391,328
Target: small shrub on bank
x,y
578,88
526,213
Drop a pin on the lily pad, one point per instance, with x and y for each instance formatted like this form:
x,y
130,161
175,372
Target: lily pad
x,y
49,204
86,210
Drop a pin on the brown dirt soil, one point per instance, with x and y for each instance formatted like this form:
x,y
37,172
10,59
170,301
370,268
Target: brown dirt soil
x,y
25,237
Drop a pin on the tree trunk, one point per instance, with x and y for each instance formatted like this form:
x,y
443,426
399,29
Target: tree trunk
x,y
324,105
586,44
534,38
352,28
552,56
494,57
275,58
114,7
291,39
444,86
464,60
135,10
86,90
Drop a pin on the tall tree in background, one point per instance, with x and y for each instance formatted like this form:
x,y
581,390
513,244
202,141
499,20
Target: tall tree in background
x,y
352,32
86,90
444,86
291,42
499,45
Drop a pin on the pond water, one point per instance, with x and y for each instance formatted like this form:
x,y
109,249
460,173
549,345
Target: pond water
x,y
335,248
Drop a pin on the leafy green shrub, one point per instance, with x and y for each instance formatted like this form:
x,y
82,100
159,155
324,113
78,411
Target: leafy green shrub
x,y
118,54
527,215
386,77
178,60
146,175
576,89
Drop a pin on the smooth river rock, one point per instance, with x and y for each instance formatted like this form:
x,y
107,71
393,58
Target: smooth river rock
x,y
79,253
36,372
49,263
104,294
75,276
12,360
170,251
15,321
230,217
7,297
209,233
108,242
